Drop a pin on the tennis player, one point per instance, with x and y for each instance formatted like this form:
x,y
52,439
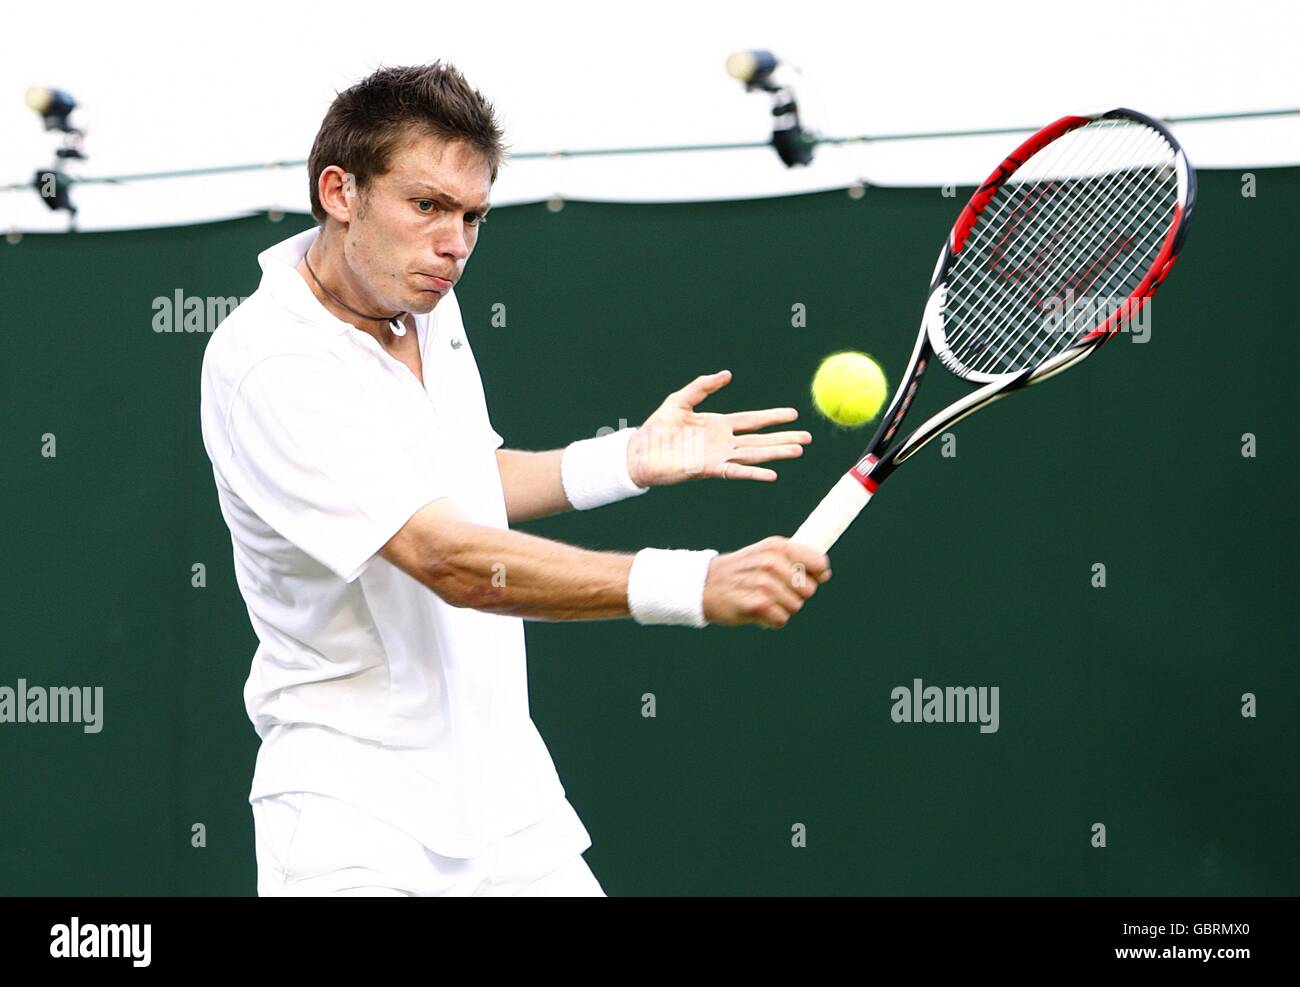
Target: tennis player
x,y
370,507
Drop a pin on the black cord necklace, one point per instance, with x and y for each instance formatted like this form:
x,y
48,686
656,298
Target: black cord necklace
x,y
393,320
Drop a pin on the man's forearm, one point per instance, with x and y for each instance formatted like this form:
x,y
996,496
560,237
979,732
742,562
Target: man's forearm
x,y
517,574
511,573
531,483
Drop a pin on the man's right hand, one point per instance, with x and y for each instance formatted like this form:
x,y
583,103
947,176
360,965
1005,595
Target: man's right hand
x,y
765,583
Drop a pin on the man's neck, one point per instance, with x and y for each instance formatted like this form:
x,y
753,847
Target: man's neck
x,y
379,328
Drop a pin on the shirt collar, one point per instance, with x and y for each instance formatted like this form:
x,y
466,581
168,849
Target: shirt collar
x,y
280,277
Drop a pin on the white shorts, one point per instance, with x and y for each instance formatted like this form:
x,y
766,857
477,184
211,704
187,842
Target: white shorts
x,y
309,844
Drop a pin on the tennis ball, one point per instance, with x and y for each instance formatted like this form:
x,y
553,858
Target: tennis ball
x,y
849,388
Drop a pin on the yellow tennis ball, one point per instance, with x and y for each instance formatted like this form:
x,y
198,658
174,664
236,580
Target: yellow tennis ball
x,y
849,388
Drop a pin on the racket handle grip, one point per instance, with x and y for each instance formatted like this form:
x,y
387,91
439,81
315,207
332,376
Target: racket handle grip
x,y
833,515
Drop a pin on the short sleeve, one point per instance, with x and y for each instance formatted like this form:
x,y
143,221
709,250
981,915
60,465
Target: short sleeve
x,y
313,455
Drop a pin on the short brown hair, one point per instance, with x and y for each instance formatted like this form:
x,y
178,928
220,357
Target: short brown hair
x,y
369,120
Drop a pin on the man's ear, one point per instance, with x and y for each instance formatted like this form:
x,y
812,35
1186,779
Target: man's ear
x,y
341,201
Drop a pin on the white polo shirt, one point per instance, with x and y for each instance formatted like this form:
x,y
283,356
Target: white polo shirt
x,y
366,685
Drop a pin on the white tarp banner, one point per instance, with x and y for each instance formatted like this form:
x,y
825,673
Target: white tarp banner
x,y
166,86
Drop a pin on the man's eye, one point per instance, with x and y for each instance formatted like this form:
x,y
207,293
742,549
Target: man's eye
x,y
473,218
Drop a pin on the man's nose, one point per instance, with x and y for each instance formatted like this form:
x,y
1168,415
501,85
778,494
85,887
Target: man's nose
x,y
451,241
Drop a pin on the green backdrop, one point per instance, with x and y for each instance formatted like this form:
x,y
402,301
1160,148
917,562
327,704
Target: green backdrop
x,y
1119,705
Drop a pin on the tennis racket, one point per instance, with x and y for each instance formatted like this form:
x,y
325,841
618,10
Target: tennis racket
x,y
1053,255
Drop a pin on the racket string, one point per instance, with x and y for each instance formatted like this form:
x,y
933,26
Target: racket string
x,y
1051,168
1100,184
1085,309
1002,296
1143,223
1062,202
1050,165
1107,173
1081,302
1094,309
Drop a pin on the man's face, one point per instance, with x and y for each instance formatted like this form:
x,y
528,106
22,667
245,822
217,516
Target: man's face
x,y
416,225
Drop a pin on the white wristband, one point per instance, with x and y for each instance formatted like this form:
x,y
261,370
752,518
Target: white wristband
x,y
666,586
594,471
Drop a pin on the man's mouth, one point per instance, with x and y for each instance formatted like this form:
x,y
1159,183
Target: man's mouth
x,y
436,283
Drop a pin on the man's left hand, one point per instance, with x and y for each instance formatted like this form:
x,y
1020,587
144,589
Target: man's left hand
x,y
678,443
